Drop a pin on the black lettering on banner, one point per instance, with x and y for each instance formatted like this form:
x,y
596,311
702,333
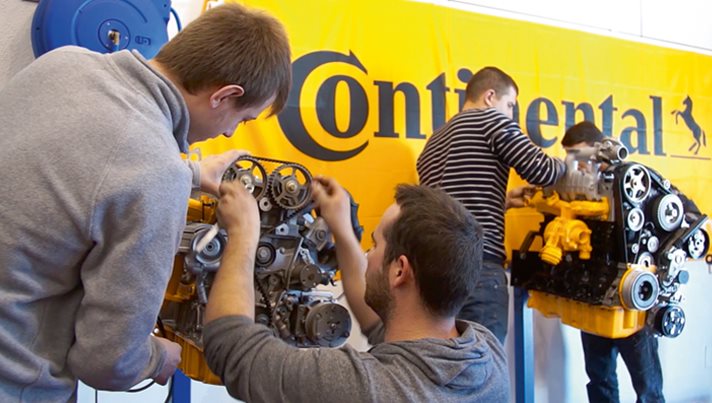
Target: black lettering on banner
x,y
534,121
464,75
326,106
607,110
570,110
635,136
386,117
658,125
438,89
290,120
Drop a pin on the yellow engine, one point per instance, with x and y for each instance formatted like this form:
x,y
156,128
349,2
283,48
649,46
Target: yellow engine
x,y
294,257
615,240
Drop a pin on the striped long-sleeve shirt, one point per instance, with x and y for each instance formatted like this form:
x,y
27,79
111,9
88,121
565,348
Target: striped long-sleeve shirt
x,y
470,157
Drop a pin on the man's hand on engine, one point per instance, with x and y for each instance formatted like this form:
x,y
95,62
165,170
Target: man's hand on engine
x,y
519,196
212,168
335,207
233,290
171,361
238,213
333,203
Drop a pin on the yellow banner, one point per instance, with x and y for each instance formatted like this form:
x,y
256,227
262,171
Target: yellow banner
x,y
373,79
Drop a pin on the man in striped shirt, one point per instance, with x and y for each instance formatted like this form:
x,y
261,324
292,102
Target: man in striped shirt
x,y
469,158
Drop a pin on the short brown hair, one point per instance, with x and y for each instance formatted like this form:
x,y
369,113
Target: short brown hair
x,y
582,132
232,44
489,78
443,243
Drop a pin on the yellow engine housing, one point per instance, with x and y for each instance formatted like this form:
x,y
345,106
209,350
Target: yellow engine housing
x,y
193,362
613,322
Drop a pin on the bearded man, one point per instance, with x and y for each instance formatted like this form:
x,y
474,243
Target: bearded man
x,y
405,293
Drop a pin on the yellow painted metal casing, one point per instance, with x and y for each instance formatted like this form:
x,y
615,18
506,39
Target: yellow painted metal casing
x,y
566,233
192,361
552,204
203,210
613,322
176,291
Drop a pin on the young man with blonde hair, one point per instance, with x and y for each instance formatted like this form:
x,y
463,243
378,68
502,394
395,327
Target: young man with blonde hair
x,y
96,194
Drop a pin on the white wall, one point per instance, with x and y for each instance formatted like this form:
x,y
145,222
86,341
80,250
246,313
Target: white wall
x,y
682,24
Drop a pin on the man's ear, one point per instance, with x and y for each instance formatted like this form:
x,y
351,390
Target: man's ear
x,y
402,272
489,97
222,94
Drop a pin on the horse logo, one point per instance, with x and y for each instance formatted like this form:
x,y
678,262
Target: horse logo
x,y
697,132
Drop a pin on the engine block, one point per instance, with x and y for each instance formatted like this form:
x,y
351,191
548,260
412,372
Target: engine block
x,y
294,256
615,243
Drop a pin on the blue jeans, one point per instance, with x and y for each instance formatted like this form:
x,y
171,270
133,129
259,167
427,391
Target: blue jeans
x,y
640,354
488,304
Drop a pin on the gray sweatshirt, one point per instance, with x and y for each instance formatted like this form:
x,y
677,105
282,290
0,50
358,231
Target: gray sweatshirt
x,y
257,367
93,199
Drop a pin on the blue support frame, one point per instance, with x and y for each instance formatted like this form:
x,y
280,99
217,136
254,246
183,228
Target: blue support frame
x,y
523,348
180,388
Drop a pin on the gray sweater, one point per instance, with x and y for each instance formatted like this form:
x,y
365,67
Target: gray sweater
x,y
257,367
93,200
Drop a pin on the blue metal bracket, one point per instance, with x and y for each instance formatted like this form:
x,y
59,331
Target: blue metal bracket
x,y
180,388
523,348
